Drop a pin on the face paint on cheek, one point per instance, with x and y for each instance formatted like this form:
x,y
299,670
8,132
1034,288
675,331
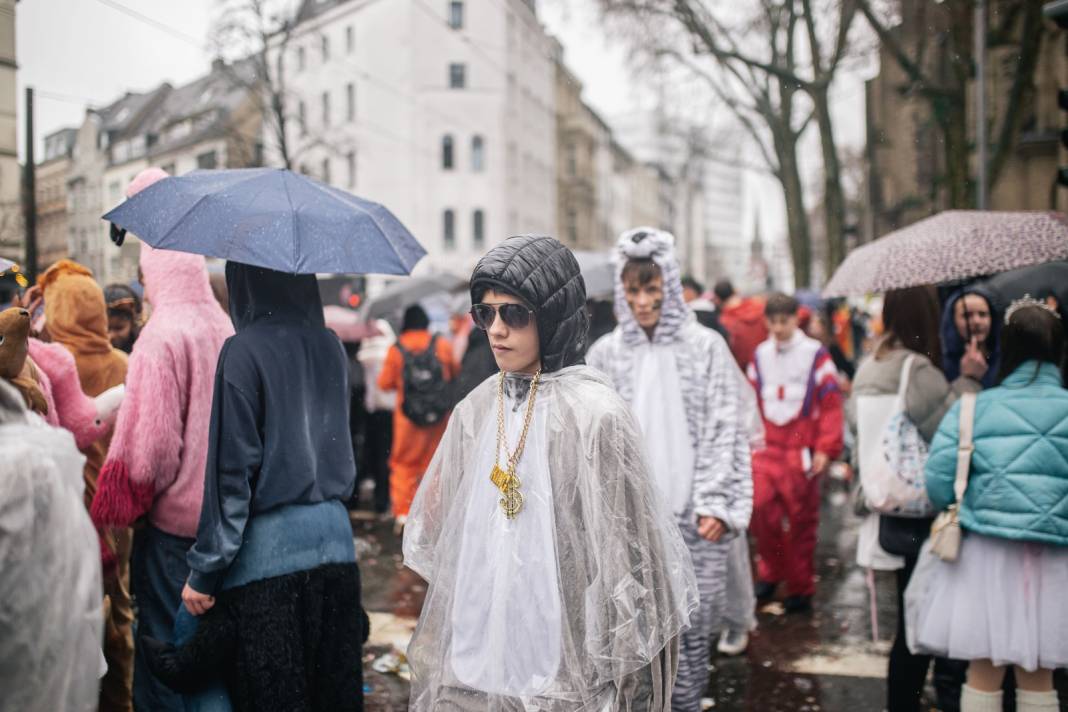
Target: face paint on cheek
x,y
658,304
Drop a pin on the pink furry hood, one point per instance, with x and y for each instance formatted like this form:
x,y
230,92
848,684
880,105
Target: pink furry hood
x,y
160,445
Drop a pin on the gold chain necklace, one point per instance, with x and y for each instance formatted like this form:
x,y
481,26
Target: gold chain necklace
x,y
506,480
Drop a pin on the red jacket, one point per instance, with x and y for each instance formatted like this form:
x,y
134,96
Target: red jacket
x,y
747,328
797,390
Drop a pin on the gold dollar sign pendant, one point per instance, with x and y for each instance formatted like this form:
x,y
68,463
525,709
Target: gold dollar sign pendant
x,y
505,480
512,500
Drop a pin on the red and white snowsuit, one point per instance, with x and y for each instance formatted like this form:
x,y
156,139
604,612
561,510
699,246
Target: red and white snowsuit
x,y
801,404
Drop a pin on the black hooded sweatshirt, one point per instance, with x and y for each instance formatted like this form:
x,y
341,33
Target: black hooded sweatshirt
x,y
279,415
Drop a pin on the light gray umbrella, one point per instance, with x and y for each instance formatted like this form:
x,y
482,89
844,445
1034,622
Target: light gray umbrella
x,y
403,293
951,246
5,265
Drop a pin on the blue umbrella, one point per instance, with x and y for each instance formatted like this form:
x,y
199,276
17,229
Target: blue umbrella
x,y
271,218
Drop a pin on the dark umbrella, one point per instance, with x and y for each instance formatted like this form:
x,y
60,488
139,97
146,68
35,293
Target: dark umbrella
x,y
270,218
1038,281
400,295
952,246
598,272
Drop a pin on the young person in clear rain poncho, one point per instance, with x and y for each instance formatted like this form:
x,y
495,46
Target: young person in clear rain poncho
x,y
51,618
558,581
695,409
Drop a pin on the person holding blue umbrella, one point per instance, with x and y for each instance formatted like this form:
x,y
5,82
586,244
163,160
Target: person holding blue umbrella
x,y
274,576
274,586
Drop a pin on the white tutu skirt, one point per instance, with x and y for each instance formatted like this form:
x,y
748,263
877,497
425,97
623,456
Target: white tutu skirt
x,y
1002,600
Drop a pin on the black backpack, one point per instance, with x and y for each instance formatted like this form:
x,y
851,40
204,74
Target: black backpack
x,y
427,397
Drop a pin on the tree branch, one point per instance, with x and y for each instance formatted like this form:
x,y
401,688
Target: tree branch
x,y
886,36
1030,44
697,27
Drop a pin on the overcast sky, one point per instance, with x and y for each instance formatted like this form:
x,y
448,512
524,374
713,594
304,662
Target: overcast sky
x,y
79,52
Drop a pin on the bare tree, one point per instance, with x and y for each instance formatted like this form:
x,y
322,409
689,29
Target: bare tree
x,y
938,66
262,33
767,64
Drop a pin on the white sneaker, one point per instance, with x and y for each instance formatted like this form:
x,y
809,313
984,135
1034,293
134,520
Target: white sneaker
x,y
733,642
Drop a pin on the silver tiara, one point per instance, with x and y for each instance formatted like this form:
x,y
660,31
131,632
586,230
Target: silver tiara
x,y
1028,301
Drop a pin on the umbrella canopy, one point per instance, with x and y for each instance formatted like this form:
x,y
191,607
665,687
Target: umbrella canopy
x,y
5,265
400,295
347,324
951,246
598,272
809,298
270,218
1038,280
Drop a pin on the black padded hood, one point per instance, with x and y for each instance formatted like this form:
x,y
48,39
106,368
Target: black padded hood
x,y
543,273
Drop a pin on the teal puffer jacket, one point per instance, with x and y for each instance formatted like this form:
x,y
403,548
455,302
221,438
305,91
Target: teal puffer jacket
x,y
1018,485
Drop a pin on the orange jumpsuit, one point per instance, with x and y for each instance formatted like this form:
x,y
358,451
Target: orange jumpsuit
x,y
413,445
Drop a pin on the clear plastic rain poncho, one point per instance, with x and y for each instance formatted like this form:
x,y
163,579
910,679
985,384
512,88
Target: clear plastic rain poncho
x,y
576,603
51,620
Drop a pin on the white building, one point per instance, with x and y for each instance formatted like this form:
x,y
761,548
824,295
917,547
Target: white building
x,y
702,198
441,111
211,122
12,241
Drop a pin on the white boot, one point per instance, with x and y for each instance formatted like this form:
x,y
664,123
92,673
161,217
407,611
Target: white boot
x,y
973,700
1027,701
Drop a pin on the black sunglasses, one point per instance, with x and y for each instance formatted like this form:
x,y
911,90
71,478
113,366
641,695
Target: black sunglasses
x,y
515,316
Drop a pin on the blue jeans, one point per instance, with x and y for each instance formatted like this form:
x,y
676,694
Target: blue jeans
x,y
214,698
157,574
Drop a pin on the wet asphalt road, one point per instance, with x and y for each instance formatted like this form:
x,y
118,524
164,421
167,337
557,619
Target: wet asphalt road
x,y
823,661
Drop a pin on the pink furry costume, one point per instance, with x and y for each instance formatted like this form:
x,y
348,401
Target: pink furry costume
x,y
155,465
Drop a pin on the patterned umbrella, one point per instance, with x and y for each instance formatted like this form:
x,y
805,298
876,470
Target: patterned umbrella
x,y
950,246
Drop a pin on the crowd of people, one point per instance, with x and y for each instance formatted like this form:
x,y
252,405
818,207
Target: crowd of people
x,y
581,509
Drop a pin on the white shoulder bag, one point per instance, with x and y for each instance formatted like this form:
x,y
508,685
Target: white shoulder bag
x,y
945,530
893,453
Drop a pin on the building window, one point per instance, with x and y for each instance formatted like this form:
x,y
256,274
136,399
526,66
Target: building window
x,y
350,101
446,152
478,157
303,169
449,228
478,228
350,40
168,169
572,165
351,160
324,45
326,170
302,118
300,59
456,14
457,76
572,227
206,160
